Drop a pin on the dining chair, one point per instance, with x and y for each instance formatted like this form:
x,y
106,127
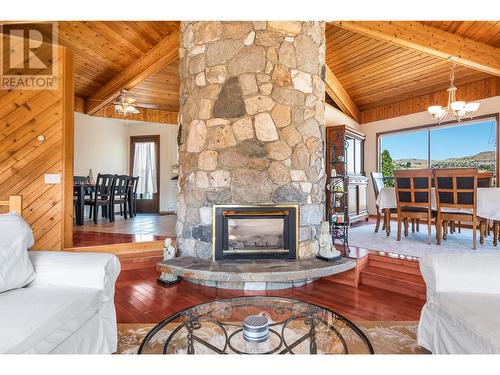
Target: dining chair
x,y
119,196
132,202
102,195
456,199
378,185
80,180
484,180
413,195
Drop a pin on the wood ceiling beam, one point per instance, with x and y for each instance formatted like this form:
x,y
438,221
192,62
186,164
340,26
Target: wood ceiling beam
x,y
430,40
157,57
339,95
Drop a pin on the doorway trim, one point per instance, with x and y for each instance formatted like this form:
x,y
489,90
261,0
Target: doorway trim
x,y
147,138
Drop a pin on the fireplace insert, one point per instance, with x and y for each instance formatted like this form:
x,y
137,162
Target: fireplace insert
x,y
255,231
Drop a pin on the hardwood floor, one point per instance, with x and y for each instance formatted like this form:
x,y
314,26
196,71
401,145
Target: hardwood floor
x,y
91,238
142,228
139,299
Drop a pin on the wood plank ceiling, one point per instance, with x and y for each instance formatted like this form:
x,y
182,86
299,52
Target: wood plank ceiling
x,y
103,49
376,72
487,32
372,72
160,89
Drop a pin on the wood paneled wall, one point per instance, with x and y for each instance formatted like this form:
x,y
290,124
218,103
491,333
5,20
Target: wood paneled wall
x,y
482,89
24,160
146,114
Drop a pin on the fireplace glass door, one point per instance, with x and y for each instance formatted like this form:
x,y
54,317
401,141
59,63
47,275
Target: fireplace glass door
x,y
255,232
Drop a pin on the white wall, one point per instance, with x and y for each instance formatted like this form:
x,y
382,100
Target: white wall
x,y
335,117
487,106
100,145
168,156
103,144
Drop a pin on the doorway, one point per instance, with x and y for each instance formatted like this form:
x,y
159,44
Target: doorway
x,y
121,143
145,164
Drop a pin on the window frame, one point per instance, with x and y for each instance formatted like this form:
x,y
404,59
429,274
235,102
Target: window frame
x,y
493,116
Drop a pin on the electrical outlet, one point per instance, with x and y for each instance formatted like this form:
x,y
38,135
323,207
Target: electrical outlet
x,y
52,178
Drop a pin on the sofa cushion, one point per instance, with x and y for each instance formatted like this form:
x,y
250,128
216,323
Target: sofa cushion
x,y
16,237
36,320
466,323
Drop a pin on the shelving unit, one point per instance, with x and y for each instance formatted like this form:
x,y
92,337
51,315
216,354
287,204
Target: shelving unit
x,y
349,144
338,214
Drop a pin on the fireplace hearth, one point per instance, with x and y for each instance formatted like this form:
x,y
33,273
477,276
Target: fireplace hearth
x,y
251,132
255,231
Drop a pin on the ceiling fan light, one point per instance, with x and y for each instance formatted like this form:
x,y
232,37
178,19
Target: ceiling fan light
x,y
457,106
472,107
131,109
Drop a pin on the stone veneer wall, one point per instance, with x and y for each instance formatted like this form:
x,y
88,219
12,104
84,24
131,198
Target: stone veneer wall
x,y
252,124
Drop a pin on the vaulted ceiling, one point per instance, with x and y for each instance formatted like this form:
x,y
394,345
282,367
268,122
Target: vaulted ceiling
x,y
487,32
103,49
372,71
376,72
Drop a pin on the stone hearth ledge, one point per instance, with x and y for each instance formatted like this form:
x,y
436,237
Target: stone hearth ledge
x,y
262,274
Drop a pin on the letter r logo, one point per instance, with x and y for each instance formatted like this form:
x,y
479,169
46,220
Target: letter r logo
x,y
30,49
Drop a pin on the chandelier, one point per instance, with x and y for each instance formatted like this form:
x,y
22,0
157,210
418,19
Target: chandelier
x,y
458,108
124,105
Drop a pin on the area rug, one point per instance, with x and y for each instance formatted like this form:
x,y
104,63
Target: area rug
x,y
416,243
386,337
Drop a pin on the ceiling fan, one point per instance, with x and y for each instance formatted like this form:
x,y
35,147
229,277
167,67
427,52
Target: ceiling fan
x,y
126,105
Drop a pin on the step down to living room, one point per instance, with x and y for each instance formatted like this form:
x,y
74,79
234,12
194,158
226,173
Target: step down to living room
x,y
392,272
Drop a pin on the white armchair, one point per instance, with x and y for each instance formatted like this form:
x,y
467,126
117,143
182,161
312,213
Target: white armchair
x,y
462,313
67,308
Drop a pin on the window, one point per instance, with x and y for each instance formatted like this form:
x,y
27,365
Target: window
x,y
462,146
459,145
354,156
145,167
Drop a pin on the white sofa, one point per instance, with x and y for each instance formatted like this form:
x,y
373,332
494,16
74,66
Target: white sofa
x,y
67,308
462,313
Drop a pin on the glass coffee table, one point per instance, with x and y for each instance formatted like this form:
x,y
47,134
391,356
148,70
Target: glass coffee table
x,y
295,327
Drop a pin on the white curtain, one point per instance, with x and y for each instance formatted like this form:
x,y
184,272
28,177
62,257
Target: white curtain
x,y
145,167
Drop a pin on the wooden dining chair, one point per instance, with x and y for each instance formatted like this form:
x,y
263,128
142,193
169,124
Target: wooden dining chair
x,y
413,195
102,195
484,180
456,199
120,194
132,202
378,185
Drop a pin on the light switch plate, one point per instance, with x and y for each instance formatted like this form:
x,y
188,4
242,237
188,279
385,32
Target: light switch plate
x,y
52,178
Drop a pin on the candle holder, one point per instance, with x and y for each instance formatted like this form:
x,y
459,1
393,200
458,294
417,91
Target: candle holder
x,y
256,328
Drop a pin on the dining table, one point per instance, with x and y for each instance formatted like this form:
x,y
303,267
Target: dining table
x,y
79,192
487,207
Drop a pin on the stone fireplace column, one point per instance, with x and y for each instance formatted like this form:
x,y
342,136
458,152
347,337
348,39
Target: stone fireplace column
x,y
252,124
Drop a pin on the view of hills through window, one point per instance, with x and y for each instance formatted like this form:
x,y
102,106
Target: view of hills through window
x,y
469,145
